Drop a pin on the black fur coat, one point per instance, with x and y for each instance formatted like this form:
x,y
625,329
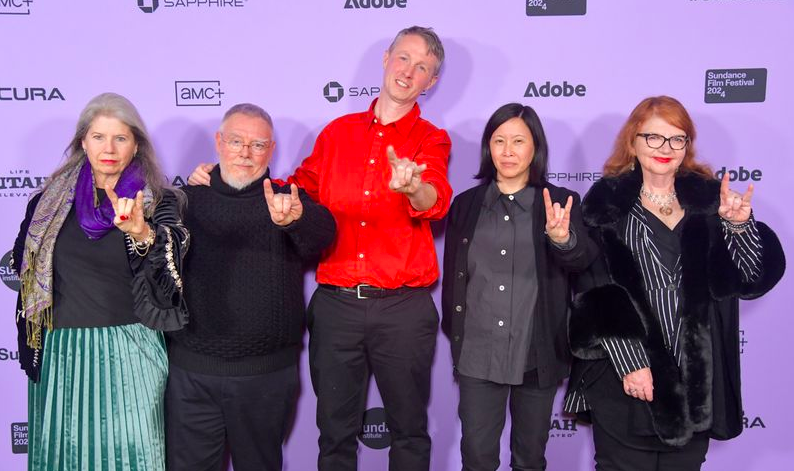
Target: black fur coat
x,y
704,393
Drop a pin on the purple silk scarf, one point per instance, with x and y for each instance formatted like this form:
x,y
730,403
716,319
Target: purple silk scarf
x,y
97,221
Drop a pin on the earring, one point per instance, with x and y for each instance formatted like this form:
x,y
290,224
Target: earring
x,y
632,166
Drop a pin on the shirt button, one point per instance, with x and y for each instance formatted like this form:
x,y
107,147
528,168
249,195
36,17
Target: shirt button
x,y
501,323
503,251
363,223
380,134
460,274
458,308
507,218
511,197
372,161
465,241
501,287
361,255
456,338
671,286
366,192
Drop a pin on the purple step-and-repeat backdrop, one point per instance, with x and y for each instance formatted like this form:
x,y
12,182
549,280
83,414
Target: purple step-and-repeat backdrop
x,y
582,65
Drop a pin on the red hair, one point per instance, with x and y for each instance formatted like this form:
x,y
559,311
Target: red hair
x,y
670,110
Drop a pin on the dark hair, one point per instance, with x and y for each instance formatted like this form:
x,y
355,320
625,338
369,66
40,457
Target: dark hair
x,y
537,169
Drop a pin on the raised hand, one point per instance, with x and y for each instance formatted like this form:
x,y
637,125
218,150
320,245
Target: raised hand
x,y
734,207
558,218
201,175
284,209
129,214
639,384
406,175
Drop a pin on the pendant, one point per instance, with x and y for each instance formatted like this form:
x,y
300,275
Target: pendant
x,y
666,210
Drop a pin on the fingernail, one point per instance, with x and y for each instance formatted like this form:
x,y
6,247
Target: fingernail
x,y
124,217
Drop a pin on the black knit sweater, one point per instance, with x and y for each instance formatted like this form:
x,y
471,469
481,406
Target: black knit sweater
x,y
243,280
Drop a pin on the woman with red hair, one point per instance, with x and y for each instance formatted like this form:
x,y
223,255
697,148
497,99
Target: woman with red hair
x,y
654,327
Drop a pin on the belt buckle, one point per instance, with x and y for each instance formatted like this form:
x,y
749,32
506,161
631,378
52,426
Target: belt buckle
x,y
358,292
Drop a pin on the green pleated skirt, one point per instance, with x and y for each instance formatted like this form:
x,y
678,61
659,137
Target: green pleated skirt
x,y
99,403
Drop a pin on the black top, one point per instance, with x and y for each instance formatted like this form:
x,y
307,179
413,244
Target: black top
x,y
502,290
91,278
549,339
243,279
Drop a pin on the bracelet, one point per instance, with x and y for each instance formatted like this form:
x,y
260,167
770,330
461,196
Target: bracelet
x,y
736,228
142,248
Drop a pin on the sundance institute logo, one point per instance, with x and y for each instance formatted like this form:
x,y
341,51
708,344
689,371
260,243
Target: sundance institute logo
x,y
333,91
374,432
9,276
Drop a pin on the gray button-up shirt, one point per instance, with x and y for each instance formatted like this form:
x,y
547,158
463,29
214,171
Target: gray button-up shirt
x,y
502,289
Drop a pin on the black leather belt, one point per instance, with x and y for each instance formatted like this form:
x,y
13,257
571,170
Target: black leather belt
x,y
367,291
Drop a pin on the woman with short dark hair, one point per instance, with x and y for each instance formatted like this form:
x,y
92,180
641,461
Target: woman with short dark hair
x,y
511,243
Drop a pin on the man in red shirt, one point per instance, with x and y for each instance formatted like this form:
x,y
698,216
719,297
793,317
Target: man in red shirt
x,y
383,175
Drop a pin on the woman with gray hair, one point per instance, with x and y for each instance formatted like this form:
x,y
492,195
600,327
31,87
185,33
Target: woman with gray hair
x,y
99,255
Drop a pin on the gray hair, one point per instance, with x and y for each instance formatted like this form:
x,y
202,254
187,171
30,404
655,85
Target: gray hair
x,y
431,39
248,109
113,105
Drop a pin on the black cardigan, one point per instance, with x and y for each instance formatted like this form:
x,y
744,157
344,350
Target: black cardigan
x,y
549,337
704,393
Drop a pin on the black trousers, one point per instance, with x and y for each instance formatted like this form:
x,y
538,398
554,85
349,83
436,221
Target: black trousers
x,y
612,454
482,417
250,413
394,338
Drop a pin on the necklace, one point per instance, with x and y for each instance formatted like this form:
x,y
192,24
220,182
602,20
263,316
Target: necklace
x,y
663,201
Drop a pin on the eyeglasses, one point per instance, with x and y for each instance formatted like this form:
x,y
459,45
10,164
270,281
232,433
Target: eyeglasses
x,y
656,141
236,144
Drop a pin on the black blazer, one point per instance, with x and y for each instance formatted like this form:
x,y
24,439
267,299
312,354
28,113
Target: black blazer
x,y
549,337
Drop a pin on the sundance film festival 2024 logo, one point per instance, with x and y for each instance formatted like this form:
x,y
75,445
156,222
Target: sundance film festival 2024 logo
x,y
19,437
150,6
735,86
15,7
198,92
556,7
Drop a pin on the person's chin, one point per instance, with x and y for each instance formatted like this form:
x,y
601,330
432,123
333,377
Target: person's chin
x,y
238,182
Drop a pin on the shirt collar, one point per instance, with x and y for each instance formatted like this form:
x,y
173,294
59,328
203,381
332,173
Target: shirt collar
x,y
403,125
524,197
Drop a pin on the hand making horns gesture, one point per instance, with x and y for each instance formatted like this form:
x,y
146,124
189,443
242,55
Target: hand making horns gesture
x,y
734,207
406,175
558,218
129,214
284,208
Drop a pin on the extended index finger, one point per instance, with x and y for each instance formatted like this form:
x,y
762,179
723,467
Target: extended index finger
x,y
547,202
268,192
114,199
392,155
724,188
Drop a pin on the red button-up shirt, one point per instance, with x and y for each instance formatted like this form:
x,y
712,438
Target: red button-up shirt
x,y
381,239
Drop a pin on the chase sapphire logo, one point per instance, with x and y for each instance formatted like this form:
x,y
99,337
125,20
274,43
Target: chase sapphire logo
x,y
198,92
148,6
333,91
374,431
15,7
